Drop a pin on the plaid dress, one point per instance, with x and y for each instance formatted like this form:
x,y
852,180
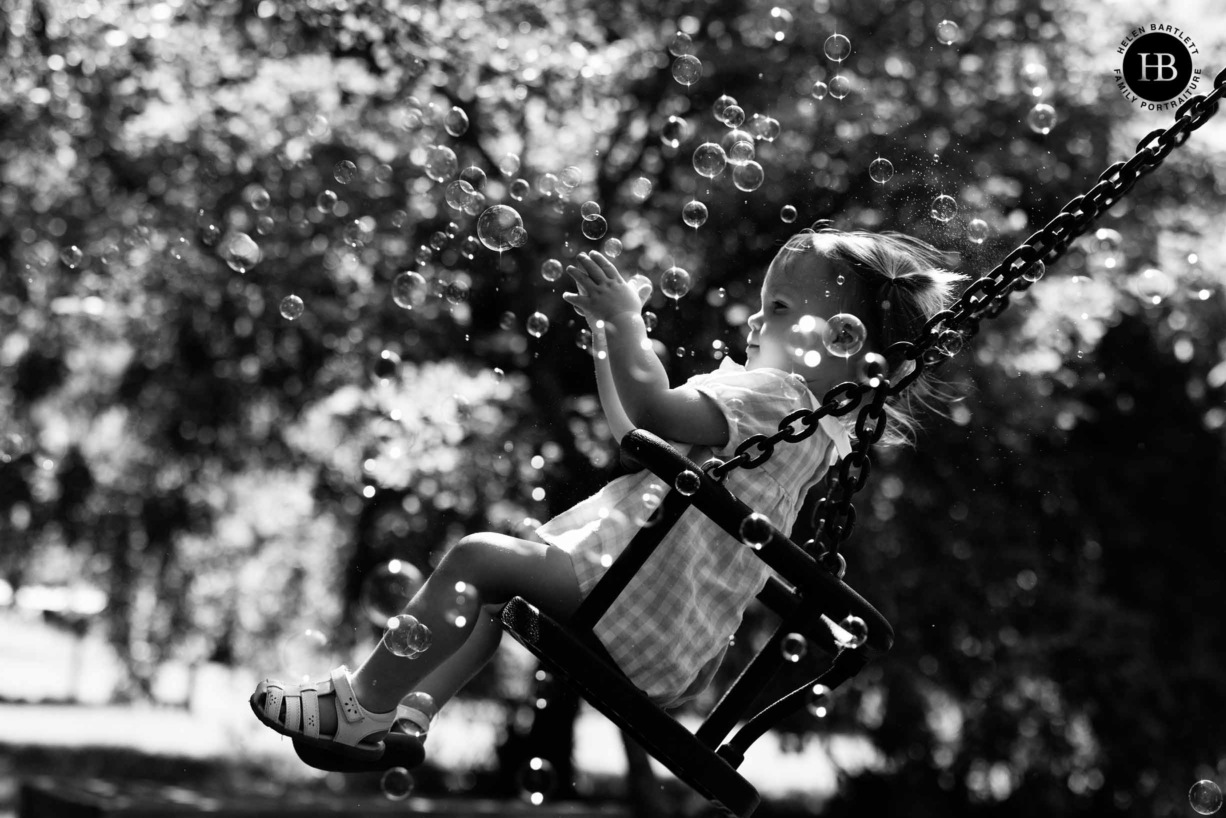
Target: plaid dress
x,y
669,629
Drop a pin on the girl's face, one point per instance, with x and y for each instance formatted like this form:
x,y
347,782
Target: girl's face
x,y
800,292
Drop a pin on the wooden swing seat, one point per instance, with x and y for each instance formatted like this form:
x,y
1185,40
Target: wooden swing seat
x,y
702,759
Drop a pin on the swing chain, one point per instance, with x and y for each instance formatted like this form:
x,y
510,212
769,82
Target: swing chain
x,y
945,333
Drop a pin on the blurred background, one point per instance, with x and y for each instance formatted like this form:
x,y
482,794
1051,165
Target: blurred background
x,y
280,320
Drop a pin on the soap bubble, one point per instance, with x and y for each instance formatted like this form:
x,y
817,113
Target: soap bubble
x,y
1042,118
241,252
612,248
872,368
519,189
546,184
551,270
674,132
409,290
880,170
570,177
71,257
675,282
788,214
397,784
441,163
1034,271
595,227
455,122
537,781
681,44
456,292
496,227
1151,286
457,194
817,701
734,116
738,147
509,166
687,69
344,171
781,23
710,160
257,197
840,86
326,200
583,339
589,210
1205,797
767,129
507,320
947,32
390,585
640,188
855,632
462,609
837,47
756,530
424,704
474,176
537,324
721,103
694,214
358,232
844,335
748,176
819,90
292,307
1034,77
305,652
264,224
386,367
944,208
977,231
687,483
794,647
178,248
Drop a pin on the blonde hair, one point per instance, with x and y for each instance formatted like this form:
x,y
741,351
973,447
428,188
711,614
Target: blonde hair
x,y
904,282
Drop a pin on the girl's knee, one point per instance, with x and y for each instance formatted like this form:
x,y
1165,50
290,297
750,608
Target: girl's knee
x,y
466,558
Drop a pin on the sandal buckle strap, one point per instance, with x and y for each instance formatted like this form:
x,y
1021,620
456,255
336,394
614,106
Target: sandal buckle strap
x,y
345,697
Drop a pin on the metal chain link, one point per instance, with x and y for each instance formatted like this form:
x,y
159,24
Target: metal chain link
x,y
943,335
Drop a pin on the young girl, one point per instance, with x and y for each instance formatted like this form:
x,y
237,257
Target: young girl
x,y
669,630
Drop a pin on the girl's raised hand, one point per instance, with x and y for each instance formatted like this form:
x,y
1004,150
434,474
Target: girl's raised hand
x,y
603,292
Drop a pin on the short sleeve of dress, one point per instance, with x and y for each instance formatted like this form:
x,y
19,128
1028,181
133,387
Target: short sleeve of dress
x,y
753,402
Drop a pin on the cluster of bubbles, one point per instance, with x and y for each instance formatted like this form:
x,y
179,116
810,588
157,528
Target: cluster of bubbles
x,y
837,49
406,637
594,225
1205,797
687,69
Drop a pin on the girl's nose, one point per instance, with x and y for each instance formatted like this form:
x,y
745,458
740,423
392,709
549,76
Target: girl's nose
x,y
755,321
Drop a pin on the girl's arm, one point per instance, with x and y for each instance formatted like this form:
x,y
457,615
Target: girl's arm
x,y
639,379
619,424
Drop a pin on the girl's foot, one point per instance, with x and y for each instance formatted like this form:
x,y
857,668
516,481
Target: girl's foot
x,y
325,714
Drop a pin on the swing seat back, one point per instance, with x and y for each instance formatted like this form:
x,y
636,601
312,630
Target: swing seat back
x,y
805,599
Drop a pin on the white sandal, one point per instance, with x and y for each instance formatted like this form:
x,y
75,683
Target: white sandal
x,y
355,724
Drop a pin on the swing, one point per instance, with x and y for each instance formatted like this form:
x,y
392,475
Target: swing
x,y
812,592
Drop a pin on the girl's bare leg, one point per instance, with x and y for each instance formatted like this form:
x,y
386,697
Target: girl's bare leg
x,y
449,677
499,567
